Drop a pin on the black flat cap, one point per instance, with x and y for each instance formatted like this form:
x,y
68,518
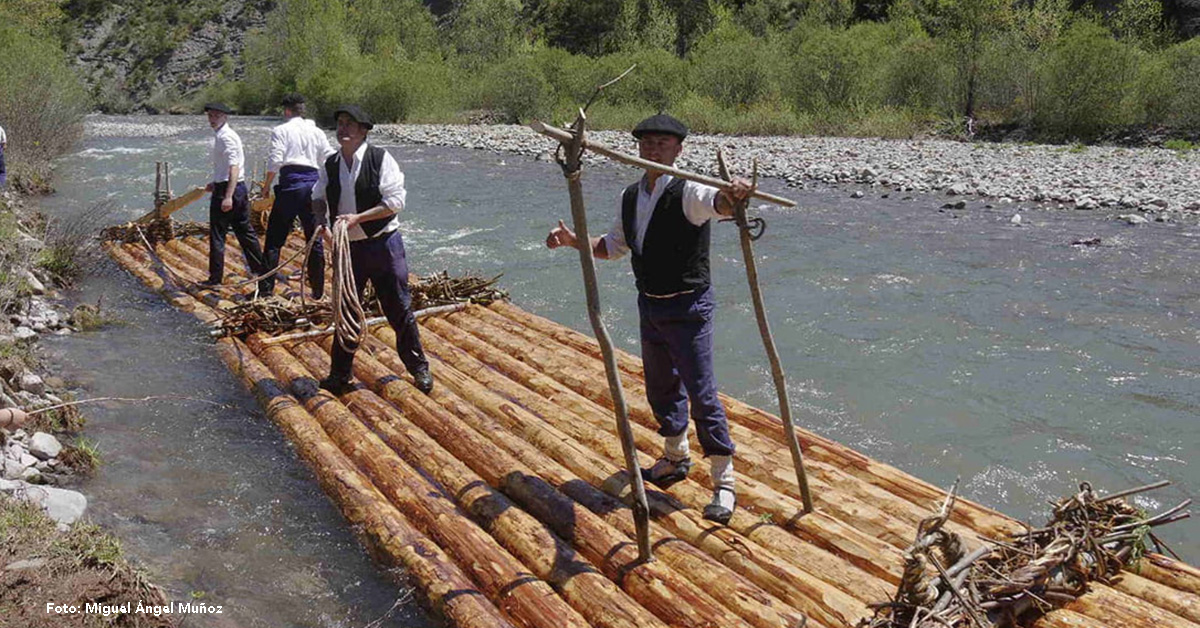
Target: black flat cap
x,y
356,113
292,99
218,106
661,123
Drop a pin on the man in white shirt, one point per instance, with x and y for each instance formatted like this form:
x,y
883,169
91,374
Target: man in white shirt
x,y
298,150
665,222
229,207
3,148
362,186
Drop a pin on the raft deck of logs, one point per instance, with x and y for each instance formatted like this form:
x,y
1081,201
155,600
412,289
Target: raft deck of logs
x,y
503,493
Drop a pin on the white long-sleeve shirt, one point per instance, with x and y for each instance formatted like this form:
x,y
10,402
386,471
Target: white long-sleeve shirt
x,y
391,188
298,142
697,206
227,151
3,137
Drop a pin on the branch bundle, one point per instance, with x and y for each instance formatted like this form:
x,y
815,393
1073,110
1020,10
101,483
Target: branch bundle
x,y
442,289
1088,539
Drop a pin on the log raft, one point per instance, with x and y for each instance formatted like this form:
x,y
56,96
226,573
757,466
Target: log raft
x,y
503,493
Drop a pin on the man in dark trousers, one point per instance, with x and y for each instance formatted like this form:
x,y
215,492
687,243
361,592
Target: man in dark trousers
x,y
297,151
665,222
362,186
229,207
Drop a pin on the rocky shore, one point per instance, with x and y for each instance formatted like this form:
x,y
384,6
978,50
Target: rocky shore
x,y
1162,184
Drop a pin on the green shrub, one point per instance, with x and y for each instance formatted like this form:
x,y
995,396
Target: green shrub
x,y
837,68
1086,79
1182,63
719,67
518,88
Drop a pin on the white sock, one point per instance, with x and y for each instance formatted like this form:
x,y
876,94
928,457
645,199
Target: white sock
x,y
722,471
675,448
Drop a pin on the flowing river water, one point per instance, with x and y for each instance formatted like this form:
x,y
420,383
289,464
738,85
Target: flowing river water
x,y
950,343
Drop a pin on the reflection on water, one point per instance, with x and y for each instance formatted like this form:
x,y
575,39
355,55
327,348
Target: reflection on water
x,y
951,344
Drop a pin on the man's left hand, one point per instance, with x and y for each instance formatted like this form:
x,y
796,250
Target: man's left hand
x,y
351,220
227,205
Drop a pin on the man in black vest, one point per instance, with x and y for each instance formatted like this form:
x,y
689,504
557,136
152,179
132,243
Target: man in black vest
x,y
665,222
362,186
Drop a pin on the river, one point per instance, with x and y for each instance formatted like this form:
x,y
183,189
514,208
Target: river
x,y
950,343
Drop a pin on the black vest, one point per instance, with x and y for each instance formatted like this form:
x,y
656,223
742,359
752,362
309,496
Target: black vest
x,y
366,188
674,255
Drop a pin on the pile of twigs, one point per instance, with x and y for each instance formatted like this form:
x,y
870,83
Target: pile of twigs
x,y
155,231
276,315
130,232
271,315
1089,538
442,289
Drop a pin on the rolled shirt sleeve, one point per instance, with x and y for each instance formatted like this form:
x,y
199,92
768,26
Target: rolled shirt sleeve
x,y
699,202
276,151
391,184
318,191
614,241
233,152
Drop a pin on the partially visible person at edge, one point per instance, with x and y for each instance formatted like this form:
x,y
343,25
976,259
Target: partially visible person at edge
x,y
665,223
297,151
229,207
3,148
362,186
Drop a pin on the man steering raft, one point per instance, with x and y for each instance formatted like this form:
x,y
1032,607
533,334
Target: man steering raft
x,y
298,149
362,186
229,207
666,222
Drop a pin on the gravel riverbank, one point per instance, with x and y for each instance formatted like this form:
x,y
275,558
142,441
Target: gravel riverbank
x,y
1163,184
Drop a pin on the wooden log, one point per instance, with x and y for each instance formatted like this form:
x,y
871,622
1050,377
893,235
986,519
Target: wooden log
x,y
1118,609
655,585
169,291
475,358
819,600
449,591
873,524
550,557
526,599
1186,605
170,207
1168,571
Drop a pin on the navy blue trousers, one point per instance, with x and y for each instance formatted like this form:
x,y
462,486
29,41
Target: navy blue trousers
x,y
677,355
3,170
293,199
382,261
237,219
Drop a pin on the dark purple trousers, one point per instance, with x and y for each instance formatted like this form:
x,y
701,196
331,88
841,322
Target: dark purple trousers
x,y
382,262
293,199
677,355
237,219
3,170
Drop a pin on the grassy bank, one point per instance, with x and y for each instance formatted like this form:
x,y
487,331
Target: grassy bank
x,y
40,564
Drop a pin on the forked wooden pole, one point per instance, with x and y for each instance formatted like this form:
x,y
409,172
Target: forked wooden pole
x,y
572,164
764,329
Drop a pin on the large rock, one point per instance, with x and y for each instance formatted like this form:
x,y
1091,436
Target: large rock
x,y
62,505
44,446
32,383
24,333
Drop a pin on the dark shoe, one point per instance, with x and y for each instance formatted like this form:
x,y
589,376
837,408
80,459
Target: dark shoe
x,y
423,380
337,385
723,504
666,472
208,283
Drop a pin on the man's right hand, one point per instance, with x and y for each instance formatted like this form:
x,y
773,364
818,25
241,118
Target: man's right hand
x,y
561,236
208,187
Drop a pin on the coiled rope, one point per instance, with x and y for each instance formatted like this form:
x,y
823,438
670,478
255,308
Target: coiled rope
x,y
349,319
